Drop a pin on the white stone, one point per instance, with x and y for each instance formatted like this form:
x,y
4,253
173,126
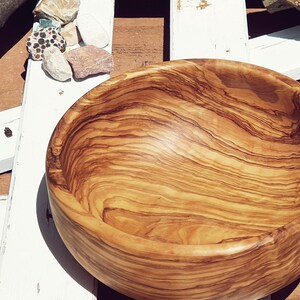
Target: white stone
x,y
91,31
55,64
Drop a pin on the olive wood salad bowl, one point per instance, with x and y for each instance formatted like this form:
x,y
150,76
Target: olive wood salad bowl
x,y
182,181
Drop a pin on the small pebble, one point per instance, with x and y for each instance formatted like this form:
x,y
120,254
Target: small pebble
x,y
44,23
89,60
8,132
71,34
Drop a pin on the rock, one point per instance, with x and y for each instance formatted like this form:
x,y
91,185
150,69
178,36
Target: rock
x,y
44,23
89,60
63,11
91,31
55,64
44,38
71,34
274,6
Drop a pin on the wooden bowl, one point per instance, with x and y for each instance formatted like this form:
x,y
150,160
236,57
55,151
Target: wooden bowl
x,y
181,181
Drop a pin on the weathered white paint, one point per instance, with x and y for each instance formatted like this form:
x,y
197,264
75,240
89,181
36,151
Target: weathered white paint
x,y
3,201
8,118
278,51
218,29
34,264
208,29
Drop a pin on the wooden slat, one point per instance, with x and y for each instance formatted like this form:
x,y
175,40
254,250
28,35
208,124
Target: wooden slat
x,y
278,51
34,262
5,183
3,201
8,119
137,42
208,29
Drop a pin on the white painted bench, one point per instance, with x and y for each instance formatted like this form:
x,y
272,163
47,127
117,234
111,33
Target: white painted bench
x,y
34,264
218,29
208,29
278,51
9,119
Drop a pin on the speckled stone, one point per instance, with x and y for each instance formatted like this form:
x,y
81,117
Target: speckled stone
x,y
44,38
89,60
55,64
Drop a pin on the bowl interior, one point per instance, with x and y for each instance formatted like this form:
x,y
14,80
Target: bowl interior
x,y
188,152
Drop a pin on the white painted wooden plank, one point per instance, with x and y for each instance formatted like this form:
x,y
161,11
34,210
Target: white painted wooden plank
x,y
34,262
3,202
208,29
8,119
278,51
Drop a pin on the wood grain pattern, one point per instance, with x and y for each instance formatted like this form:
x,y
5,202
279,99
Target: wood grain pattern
x,y
181,181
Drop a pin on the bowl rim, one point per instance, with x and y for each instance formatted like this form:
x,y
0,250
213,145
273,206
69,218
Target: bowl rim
x,y
57,187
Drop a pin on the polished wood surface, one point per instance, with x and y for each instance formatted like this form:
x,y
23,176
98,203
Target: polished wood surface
x,y
181,181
